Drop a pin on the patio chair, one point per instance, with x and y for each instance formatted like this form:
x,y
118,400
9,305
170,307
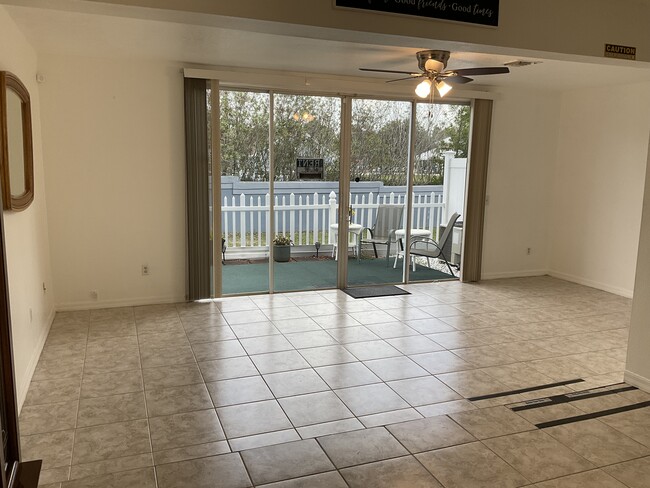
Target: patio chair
x,y
388,220
430,249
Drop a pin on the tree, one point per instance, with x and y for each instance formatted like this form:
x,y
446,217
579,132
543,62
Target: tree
x,y
309,127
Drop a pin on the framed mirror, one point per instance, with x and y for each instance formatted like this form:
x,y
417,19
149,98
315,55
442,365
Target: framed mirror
x,y
16,157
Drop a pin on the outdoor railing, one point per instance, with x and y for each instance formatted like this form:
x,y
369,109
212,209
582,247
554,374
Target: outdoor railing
x,y
307,220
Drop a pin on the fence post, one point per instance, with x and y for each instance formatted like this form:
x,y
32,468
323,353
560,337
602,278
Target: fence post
x,y
292,217
224,209
242,220
332,203
267,204
446,181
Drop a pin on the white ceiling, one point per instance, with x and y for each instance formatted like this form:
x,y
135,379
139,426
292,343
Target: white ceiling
x,y
101,35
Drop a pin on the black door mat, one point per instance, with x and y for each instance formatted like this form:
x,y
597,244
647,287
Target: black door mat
x,y
375,291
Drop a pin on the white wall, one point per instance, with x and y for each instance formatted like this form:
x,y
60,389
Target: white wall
x,y
637,368
580,27
113,132
599,178
519,187
26,232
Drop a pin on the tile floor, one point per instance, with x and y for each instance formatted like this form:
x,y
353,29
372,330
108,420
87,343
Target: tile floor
x,y
317,389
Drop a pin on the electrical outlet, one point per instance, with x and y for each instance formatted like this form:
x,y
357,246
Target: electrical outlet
x,y
31,316
93,294
44,288
145,270
528,250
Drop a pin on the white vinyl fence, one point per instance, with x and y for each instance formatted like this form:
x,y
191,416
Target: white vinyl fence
x,y
307,220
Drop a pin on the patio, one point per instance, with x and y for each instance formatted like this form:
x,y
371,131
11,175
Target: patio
x,y
312,273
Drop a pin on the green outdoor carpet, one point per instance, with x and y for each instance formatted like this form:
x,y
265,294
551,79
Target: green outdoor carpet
x,y
309,275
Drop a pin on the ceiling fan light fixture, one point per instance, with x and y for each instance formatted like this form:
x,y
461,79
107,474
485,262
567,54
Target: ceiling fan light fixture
x,y
423,89
434,65
443,88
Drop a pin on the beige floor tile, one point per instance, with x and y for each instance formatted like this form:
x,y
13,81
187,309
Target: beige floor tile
x,y
491,422
168,376
102,442
634,424
110,409
391,417
598,443
224,471
285,461
361,447
198,335
54,448
53,477
265,439
484,356
300,382
113,465
253,418
327,428
103,384
635,474
403,471
347,375
239,390
51,417
591,479
224,369
470,466
472,383
140,478
538,456
191,452
549,413
315,408
168,401
423,391
185,429
429,434
397,368
53,391
370,399
330,479
206,351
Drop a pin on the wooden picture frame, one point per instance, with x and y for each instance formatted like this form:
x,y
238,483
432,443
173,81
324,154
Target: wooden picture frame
x,y
10,164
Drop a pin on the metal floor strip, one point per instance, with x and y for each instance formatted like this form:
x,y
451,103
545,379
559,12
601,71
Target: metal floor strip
x,y
594,415
568,397
525,390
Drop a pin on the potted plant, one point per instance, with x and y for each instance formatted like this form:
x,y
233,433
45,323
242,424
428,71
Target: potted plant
x,y
281,248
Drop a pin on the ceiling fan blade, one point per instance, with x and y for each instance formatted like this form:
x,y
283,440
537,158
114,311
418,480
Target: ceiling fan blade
x,y
457,80
390,71
407,78
497,70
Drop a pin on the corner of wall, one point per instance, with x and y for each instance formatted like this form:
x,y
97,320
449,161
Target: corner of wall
x,y
23,387
639,381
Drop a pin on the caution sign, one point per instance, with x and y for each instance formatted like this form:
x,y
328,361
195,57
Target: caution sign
x,y
621,52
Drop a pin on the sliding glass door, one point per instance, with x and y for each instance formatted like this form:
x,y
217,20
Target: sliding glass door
x,y
306,188
378,188
279,191
245,199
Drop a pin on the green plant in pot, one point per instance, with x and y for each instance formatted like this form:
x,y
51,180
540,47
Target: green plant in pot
x,y
281,248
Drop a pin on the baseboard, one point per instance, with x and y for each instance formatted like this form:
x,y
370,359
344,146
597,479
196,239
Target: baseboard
x,y
624,292
22,389
639,381
514,274
130,302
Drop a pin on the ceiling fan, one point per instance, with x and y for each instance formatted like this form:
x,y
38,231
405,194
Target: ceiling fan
x,y
433,64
